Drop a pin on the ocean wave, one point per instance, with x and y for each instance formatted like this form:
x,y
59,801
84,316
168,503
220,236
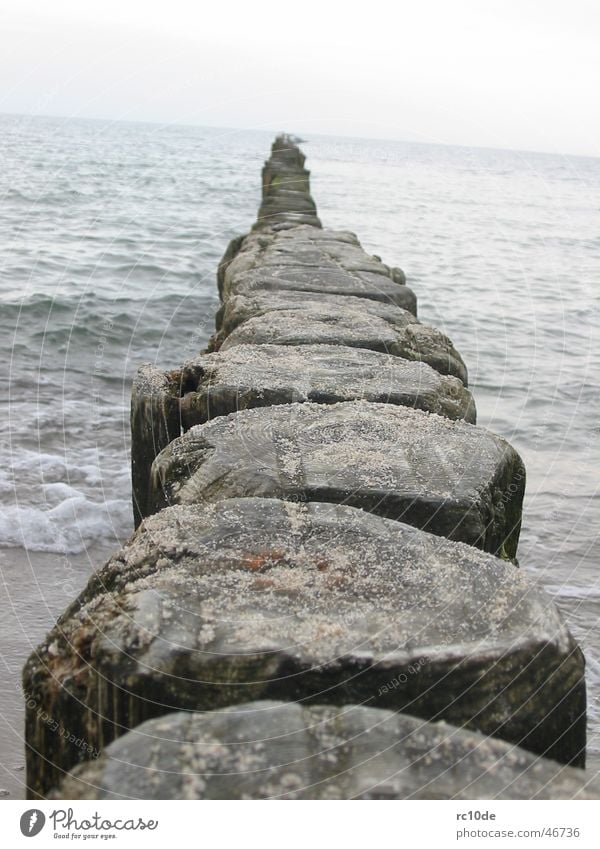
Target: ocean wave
x,y
60,196
68,527
45,479
39,305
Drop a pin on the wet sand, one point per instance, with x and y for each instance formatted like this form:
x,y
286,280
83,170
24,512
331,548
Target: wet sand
x,y
35,588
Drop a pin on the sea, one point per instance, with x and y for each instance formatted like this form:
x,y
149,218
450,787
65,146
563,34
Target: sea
x,y
110,235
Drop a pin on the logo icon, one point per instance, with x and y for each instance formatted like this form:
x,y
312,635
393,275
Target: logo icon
x,y
32,822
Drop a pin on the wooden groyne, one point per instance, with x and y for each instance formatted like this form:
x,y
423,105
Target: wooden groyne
x,y
324,561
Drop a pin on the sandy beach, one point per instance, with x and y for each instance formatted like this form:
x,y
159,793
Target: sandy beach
x,y
35,589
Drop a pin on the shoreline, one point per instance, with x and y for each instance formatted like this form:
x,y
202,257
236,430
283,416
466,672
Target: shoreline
x,y
36,588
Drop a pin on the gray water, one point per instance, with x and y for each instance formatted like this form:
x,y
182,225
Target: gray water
x,y
110,234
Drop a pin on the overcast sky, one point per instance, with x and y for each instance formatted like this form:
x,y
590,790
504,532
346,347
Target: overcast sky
x,y
521,74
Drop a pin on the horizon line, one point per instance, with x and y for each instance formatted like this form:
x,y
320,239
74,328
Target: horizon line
x,y
164,124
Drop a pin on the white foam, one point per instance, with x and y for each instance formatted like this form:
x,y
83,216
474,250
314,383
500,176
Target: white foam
x,y
55,493
68,527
